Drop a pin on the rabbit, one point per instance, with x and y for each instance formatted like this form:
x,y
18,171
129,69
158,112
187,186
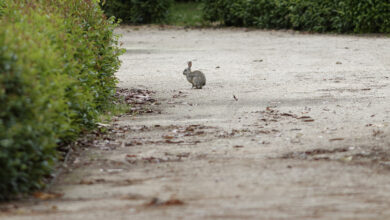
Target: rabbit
x,y
196,78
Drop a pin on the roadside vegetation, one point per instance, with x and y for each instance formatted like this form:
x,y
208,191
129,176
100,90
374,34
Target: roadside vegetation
x,y
57,64
138,11
344,16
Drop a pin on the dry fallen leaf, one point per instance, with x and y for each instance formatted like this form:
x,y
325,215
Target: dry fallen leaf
x,y
86,182
183,155
46,196
170,202
168,137
336,139
288,115
173,142
173,202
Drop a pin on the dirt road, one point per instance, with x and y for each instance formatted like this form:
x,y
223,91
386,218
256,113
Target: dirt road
x,y
306,137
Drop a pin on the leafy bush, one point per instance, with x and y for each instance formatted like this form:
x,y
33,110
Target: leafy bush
x,y
138,11
187,1
57,64
312,15
2,5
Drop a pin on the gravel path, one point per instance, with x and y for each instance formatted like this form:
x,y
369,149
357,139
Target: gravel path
x,y
288,126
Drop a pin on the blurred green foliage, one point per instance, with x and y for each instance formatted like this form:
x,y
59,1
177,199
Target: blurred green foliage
x,y
138,11
341,16
57,65
186,14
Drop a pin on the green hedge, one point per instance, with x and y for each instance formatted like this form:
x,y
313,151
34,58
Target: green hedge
x,y
57,65
342,16
138,11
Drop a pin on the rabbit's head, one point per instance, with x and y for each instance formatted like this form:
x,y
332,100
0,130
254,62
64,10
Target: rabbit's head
x,y
188,69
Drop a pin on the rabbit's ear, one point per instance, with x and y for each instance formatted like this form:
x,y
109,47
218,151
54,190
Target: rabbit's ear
x,y
189,64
